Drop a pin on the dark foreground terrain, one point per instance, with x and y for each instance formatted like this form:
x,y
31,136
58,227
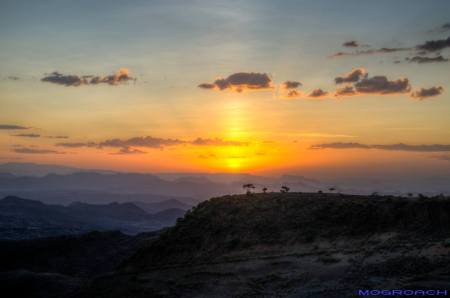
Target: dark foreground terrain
x,y
272,245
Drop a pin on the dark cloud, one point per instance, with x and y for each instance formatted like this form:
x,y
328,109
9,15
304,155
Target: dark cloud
x,y
424,59
381,85
149,142
370,52
57,137
427,92
434,45
216,142
340,146
207,86
27,135
122,76
240,81
392,147
316,93
33,150
291,84
12,127
128,151
354,76
77,144
351,44
346,91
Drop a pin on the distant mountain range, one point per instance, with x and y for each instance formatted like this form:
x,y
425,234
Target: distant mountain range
x,y
63,185
39,170
25,219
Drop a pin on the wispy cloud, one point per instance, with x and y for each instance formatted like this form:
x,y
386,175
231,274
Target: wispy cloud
x,y
369,52
12,127
128,146
120,77
35,150
128,151
351,44
391,147
27,135
58,137
434,45
425,59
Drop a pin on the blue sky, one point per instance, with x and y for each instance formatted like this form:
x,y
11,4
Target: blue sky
x,y
170,47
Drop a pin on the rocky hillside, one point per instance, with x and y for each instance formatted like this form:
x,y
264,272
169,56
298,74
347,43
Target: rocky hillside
x,y
291,245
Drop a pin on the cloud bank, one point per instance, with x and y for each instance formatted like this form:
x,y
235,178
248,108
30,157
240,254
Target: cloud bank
x,y
392,147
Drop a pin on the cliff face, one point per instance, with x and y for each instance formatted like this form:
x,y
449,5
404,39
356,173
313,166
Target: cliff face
x,y
261,245
260,223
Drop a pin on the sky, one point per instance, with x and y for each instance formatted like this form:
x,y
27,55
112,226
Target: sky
x,y
227,86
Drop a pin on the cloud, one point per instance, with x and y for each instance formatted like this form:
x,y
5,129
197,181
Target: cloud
x,y
381,85
147,141
291,84
12,127
293,94
434,45
216,142
206,86
446,26
391,147
424,59
424,93
120,77
27,135
57,137
32,150
351,44
346,91
77,144
128,151
353,76
317,93
241,81
128,146
369,52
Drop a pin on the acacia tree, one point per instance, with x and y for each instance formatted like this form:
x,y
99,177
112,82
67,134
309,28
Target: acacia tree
x,y
248,187
284,189
264,189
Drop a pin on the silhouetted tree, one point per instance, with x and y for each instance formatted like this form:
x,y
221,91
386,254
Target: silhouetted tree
x,y
264,189
410,194
248,187
374,194
284,189
331,189
320,191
